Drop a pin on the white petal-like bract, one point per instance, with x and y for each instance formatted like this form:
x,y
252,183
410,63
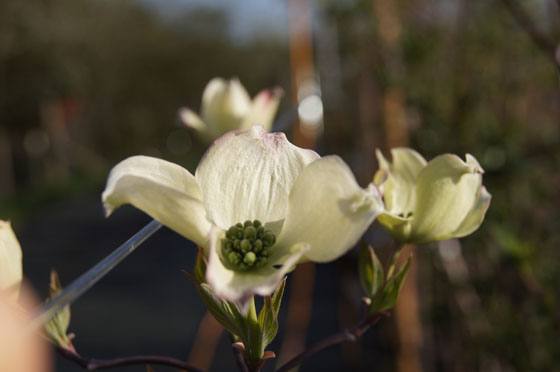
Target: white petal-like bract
x,y
328,210
248,175
165,191
11,272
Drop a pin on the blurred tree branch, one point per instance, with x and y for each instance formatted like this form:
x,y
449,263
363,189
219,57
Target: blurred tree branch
x,y
541,40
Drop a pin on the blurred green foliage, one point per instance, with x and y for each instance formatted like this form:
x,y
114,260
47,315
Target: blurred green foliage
x,y
122,71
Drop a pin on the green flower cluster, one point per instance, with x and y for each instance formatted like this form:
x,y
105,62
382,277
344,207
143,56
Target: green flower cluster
x,y
247,246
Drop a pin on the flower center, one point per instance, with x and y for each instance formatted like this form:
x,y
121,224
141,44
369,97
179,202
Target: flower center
x,y
247,246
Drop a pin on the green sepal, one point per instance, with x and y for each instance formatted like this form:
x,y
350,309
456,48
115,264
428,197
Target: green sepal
x,y
56,329
370,269
387,298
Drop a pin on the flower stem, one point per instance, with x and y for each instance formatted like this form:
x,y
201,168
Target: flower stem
x,y
254,349
238,355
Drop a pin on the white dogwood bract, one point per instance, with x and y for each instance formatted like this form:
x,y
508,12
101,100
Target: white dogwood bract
x,y
313,205
227,106
11,272
432,201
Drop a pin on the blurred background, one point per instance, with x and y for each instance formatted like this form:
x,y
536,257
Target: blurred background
x,y
86,83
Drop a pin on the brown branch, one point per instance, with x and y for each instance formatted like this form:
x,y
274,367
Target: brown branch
x,y
542,41
91,364
348,335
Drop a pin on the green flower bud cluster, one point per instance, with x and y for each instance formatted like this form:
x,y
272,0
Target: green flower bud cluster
x,y
247,246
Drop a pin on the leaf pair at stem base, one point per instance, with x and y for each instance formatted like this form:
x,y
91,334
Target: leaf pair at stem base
x,y
254,332
381,290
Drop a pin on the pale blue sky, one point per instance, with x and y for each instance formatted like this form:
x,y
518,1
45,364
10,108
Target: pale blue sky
x,y
248,17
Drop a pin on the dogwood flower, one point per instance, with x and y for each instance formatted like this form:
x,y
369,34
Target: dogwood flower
x,y
432,201
226,106
11,272
257,203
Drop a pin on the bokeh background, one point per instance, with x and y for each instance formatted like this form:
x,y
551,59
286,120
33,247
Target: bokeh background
x,y
86,83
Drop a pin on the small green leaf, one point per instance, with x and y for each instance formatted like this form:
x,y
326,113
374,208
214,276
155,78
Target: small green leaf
x,y
269,322
255,332
369,269
267,305
277,296
241,321
222,311
394,261
387,298
268,317
56,328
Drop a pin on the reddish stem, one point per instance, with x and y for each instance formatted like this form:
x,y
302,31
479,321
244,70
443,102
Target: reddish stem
x,y
348,335
91,364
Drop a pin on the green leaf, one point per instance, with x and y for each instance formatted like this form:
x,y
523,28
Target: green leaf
x,y
222,311
268,320
387,298
268,317
394,260
370,269
63,317
256,332
241,321
277,296
56,328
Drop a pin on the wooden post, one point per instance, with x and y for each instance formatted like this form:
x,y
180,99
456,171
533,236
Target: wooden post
x,y
407,319
303,84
